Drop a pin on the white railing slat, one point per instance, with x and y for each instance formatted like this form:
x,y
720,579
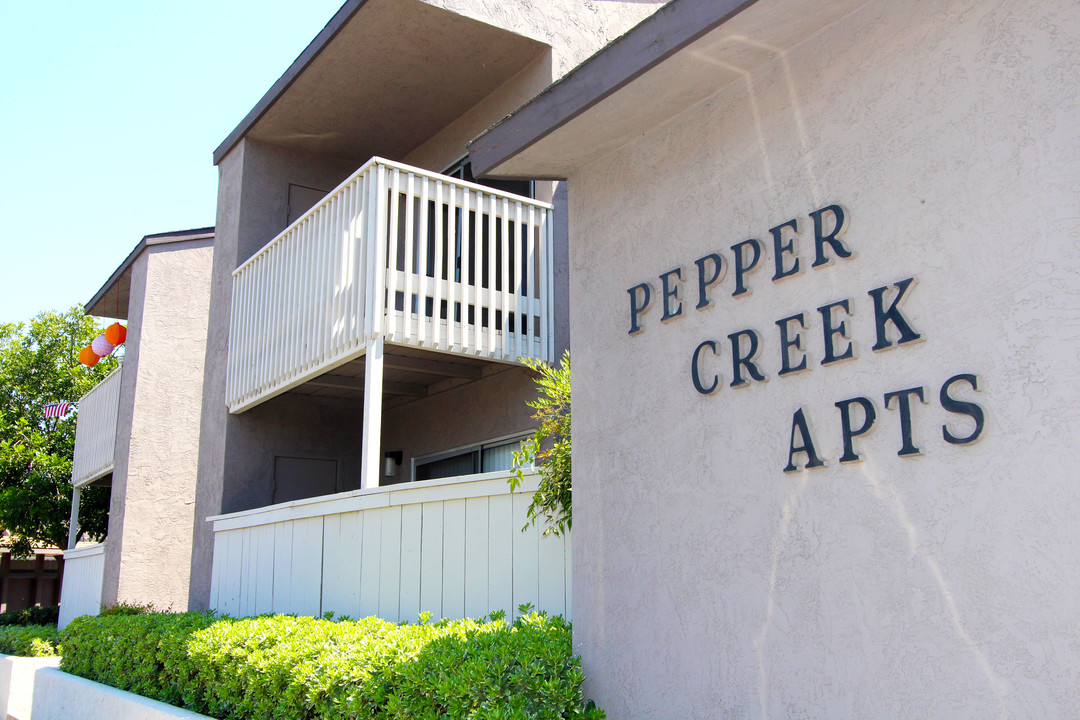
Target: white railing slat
x,y
504,241
422,296
410,246
453,327
530,279
392,254
438,340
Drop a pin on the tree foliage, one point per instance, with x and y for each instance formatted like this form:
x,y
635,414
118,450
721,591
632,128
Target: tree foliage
x,y
549,448
39,365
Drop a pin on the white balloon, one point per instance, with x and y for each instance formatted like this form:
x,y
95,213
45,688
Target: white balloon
x,y
101,346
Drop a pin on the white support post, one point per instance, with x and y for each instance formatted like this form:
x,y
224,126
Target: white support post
x,y
73,529
370,450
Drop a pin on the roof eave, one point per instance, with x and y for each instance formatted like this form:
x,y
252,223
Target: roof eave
x,y
654,40
312,51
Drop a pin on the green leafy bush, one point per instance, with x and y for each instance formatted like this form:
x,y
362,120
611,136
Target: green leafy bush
x,y
126,608
142,653
29,640
47,615
490,670
302,667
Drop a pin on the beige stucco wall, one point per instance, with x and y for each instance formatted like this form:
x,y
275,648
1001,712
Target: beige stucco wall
x,y
574,29
153,492
708,582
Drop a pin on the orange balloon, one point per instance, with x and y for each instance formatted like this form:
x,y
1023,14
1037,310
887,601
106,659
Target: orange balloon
x,y
88,357
115,334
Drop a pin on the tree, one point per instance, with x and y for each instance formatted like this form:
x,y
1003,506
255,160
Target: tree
x,y
549,448
39,365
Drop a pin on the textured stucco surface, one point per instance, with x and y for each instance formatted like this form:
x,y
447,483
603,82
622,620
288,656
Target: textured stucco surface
x,y
710,584
153,491
574,29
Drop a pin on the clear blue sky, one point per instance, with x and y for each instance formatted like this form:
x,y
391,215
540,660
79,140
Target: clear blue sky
x,y
109,113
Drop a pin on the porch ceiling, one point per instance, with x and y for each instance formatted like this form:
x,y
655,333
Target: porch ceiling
x,y
408,374
382,77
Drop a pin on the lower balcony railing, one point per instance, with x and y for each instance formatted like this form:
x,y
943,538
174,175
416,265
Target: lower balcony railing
x,y
80,594
397,252
95,431
454,548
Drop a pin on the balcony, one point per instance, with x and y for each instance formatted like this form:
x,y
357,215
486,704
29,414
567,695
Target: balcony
x,y
396,255
95,431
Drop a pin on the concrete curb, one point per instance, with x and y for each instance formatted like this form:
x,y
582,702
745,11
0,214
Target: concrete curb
x,y
17,676
61,696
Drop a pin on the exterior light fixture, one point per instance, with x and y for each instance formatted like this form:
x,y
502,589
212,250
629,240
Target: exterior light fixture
x,y
390,462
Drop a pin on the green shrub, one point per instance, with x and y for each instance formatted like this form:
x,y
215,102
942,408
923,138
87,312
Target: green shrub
x,y
302,667
286,667
29,640
47,615
127,608
492,671
142,653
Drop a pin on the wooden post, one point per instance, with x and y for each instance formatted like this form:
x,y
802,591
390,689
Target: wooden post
x,y
38,593
58,586
5,580
73,527
370,449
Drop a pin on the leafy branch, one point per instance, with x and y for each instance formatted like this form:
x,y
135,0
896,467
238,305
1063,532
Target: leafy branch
x,y
549,448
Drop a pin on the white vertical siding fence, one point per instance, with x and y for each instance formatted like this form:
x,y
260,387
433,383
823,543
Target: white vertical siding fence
x,y
454,548
395,251
80,593
95,431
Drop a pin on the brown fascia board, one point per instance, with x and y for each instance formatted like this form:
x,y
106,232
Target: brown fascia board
x,y
206,233
316,46
646,45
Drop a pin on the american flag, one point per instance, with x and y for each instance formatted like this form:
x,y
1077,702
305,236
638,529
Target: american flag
x,y
60,409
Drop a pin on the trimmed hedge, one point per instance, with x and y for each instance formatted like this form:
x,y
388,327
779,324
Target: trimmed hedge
x,y
29,640
47,615
287,667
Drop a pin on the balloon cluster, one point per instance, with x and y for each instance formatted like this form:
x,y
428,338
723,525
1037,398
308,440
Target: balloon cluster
x,y
103,344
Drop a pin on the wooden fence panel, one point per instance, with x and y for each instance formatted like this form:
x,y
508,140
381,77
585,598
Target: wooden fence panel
x,y
454,548
84,569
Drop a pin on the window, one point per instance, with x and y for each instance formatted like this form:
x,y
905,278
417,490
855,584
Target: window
x,y
298,478
462,170
302,199
481,458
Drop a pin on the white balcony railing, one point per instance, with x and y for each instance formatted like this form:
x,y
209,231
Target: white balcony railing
x,y
452,547
458,267
80,594
95,431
